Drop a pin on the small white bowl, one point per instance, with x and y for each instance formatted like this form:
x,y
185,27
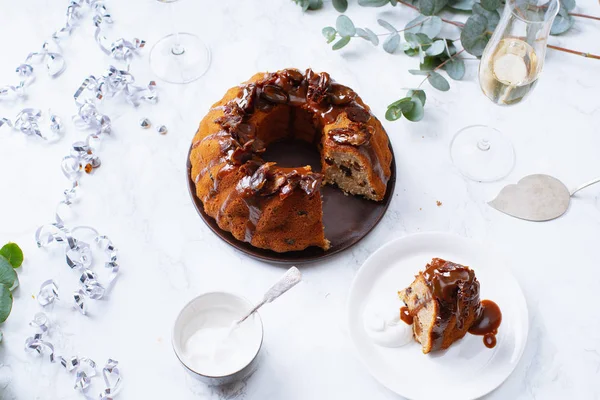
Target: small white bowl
x,y
192,316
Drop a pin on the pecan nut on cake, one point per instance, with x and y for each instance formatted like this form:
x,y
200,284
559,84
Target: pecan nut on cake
x,y
279,208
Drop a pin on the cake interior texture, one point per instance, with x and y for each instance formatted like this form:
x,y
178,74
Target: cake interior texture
x,y
444,302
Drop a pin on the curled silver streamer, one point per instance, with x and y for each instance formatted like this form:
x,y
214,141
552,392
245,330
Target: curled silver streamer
x,y
48,293
120,49
27,122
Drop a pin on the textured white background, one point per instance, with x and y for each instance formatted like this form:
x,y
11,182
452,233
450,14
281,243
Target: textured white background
x,y
139,198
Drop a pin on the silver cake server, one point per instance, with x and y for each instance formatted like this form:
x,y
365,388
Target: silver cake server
x,y
536,198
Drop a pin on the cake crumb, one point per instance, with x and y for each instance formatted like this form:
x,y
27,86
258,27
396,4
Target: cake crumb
x,y
439,203
420,209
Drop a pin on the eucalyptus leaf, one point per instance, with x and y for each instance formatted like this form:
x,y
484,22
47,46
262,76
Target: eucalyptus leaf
x,y
329,33
6,301
391,43
462,5
416,112
387,25
344,26
340,5
562,23
373,3
431,7
569,5
430,63
421,55
418,72
393,113
372,36
438,81
13,253
411,38
436,48
455,68
398,103
8,276
423,38
393,3
341,43
430,26
417,93
491,5
474,35
493,17
315,4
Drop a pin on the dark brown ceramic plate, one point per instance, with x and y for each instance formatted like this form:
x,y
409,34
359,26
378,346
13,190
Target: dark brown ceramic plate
x,y
347,219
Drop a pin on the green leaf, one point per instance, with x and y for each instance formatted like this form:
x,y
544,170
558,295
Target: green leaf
x,y
438,81
393,113
473,36
491,5
8,276
418,72
430,63
329,33
340,5
341,43
373,3
416,113
368,34
387,25
431,7
569,5
455,68
562,23
344,26
423,38
403,104
372,37
6,301
417,93
436,48
391,43
493,17
430,26
315,4
463,5
13,253
411,38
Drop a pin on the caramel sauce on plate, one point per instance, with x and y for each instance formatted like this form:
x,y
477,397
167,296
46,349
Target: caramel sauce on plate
x,y
488,323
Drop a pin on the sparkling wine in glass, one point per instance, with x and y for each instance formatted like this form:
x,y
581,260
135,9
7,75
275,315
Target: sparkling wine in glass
x,y
179,57
509,70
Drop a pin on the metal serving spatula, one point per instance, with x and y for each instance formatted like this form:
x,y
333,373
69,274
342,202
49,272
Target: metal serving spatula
x,y
536,198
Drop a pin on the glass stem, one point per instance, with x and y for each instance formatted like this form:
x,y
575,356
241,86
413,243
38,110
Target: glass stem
x,y
483,145
177,48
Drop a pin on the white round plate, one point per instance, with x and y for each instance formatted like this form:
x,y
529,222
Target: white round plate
x,y
466,370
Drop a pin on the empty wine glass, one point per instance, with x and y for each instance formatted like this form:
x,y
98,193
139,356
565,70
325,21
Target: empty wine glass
x,y
179,57
510,66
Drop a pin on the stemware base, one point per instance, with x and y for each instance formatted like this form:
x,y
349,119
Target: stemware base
x,y
482,153
180,58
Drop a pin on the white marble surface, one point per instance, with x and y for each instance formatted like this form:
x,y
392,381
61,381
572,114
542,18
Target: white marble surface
x,y
139,198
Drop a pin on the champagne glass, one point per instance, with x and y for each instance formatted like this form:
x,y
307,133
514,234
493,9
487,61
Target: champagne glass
x,y
179,57
509,70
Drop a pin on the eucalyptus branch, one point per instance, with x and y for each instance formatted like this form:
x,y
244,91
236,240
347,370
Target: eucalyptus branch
x,y
584,16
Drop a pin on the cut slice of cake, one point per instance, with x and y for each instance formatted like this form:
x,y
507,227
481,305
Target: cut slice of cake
x,y
444,302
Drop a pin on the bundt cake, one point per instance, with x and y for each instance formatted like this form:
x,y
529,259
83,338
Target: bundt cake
x,y
444,303
279,208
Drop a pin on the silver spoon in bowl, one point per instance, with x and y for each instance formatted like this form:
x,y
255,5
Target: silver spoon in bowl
x,y
537,197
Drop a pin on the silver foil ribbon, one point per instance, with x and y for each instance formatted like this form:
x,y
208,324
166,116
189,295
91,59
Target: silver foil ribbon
x,y
28,121
50,56
84,368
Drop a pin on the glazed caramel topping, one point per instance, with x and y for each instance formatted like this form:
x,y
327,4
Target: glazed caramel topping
x,y
406,316
487,324
456,289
